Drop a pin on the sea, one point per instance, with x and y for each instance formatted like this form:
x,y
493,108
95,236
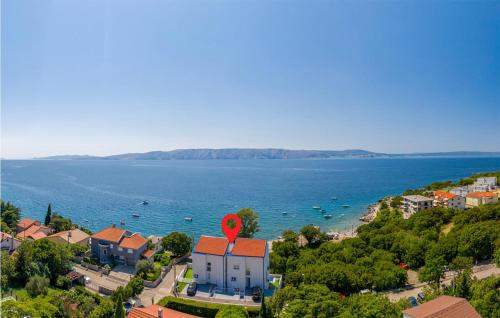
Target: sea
x,y
98,193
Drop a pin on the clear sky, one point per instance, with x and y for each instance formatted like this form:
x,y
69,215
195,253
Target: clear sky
x,y
105,77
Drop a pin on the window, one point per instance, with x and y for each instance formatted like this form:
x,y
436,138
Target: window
x,y
209,267
247,272
130,251
236,267
111,245
195,275
120,248
233,279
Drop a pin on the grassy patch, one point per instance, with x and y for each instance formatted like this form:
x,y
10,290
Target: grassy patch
x,y
187,274
446,228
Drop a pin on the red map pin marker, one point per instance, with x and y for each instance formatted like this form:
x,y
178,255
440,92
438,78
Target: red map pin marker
x,y
231,233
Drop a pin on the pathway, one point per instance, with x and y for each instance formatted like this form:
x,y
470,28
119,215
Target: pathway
x,y
153,295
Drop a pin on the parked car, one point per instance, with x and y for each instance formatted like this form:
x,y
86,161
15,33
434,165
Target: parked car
x,y
256,293
420,297
413,301
192,288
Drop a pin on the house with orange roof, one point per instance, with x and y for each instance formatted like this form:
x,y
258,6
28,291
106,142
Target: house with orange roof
x,y
479,198
157,311
34,232
443,307
448,200
116,244
238,266
25,223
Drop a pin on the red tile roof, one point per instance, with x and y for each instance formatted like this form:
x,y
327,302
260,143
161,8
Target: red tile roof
x,y
443,307
135,241
28,232
444,194
249,247
481,195
152,312
26,223
112,234
38,235
212,245
148,253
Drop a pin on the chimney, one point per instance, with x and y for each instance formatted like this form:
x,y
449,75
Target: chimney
x,y
160,313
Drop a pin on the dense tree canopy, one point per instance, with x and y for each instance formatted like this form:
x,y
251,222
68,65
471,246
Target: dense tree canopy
x,y
178,243
371,260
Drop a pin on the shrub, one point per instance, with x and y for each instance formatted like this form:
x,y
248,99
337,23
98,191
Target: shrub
x,y
37,285
63,282
202,309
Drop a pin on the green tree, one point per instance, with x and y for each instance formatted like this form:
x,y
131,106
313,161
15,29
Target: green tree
x,y
7,270
249,222
231,311
312,234
265,311
290,236
136,285
433,271
485,297
462,284
9,215
178,243
37,285
59,223
48,215
119,310
396,202
105,309
56,258
144,266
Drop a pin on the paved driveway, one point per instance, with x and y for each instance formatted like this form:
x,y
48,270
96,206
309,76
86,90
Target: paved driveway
x,y
153,295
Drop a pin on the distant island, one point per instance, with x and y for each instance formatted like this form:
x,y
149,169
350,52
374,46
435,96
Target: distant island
x,y
268,153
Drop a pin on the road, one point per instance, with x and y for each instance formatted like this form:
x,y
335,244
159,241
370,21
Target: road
x,y
96,279
479,272
153,295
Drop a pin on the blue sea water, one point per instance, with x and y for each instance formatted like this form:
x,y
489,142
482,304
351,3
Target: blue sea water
x,y
97,193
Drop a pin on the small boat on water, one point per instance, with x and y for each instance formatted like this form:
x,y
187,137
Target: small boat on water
x,y
135,215
188,219
334,198
122,222
323,211
284,212
346,206
327,216
145,202
316,207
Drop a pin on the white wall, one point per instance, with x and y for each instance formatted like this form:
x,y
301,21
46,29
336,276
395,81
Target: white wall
x,y
215,276
257,266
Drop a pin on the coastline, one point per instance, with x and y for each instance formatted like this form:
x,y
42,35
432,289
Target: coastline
x,y
338,236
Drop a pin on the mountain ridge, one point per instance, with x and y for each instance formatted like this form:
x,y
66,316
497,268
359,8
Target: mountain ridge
x,y
262,153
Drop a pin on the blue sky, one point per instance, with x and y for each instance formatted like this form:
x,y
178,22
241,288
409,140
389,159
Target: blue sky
x,y
104,77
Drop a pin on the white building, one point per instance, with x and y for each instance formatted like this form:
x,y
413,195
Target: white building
x,y
209,260
238,266
448,200
491,182
415,203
